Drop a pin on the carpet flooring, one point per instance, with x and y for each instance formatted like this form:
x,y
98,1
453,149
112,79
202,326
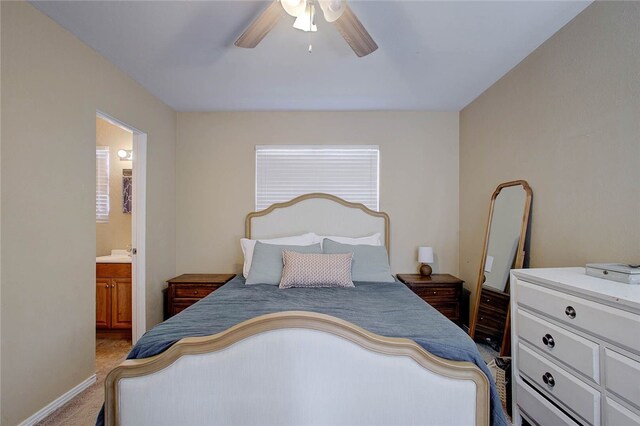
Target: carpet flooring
x,y
83,409
487,352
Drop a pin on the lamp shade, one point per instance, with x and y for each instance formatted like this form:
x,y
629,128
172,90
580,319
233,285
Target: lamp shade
x,y
425,254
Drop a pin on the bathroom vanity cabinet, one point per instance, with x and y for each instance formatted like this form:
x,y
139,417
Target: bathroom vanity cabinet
x,y
113,296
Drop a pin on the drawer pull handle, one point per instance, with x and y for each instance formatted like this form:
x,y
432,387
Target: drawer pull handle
x,y
547,339
106,286
195,291
548,379
435,292
571,313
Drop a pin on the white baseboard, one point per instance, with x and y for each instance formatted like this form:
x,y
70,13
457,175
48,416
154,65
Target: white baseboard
x,y
59,402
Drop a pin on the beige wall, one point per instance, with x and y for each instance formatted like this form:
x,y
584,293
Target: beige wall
x,y
566,119
1,72
215,168
52,85
116,233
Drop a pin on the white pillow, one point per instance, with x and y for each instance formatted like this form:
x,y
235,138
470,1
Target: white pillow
x,y
248,245
371,240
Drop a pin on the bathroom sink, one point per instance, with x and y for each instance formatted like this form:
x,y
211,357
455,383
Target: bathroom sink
x,y
116,256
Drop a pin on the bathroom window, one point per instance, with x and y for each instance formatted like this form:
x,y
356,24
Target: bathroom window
x,y
284,172
102,184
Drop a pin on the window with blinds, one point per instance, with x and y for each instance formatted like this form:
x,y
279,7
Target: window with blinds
x,y
285,172
102,184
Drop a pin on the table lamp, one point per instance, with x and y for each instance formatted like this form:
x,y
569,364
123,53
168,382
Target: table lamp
x,y
425,256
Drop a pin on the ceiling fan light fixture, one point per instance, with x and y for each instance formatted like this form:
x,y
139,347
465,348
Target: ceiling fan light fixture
x,y
336,12
307,20
294,7
333,9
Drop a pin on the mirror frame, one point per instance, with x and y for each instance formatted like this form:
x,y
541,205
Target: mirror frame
x,y
519,260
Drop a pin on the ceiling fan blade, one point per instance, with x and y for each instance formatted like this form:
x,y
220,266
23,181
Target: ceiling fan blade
x,y
354,33
261,26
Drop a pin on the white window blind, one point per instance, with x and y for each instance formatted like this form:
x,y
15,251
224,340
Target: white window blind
x,y
287,171
102,184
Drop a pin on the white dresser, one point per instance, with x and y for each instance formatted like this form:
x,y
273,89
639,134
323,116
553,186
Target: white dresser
x,y
575,348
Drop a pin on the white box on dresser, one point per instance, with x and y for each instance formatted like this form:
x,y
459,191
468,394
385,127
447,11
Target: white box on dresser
x,y
575,348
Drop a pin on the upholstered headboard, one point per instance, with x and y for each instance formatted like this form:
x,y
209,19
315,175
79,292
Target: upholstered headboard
x,y
323,214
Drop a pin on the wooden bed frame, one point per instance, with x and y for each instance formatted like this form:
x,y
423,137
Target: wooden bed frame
x,y
298,368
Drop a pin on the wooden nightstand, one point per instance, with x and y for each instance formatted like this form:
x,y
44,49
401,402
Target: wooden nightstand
x,y
442,291
187,289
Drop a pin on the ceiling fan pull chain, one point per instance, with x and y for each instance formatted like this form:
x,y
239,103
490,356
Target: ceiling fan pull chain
x,y
311,26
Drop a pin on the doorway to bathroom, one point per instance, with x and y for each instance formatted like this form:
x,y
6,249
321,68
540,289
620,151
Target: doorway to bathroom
x,y
120,236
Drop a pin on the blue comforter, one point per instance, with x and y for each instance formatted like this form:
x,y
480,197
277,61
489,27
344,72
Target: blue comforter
x,y
388,309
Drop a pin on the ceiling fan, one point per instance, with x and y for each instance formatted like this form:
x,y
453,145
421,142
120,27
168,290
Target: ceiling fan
x,y
335,11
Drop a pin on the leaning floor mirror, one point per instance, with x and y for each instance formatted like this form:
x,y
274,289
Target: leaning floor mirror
x,y
504,249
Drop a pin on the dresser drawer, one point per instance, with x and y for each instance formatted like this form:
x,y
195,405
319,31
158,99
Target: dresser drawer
x,y
193,291
581,398
623,376
569,348
536,408
609,323
617,415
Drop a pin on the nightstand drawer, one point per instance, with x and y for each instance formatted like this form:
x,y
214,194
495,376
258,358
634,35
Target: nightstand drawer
x,y
560,385
194,291
442,291
495,300
491,319
438,294
180,305
449,310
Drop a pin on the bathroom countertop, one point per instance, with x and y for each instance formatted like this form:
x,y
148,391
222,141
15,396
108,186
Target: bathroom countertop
x,y
116,256
113,259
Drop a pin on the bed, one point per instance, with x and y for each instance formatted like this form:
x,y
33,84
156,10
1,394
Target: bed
x,y
256,354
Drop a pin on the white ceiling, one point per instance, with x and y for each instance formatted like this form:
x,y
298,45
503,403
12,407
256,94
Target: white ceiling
x,y
431,56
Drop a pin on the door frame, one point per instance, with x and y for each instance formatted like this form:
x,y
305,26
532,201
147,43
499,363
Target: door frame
x,y
138,225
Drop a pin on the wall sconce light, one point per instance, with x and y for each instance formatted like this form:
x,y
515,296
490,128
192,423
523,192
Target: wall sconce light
x,y
125,154
425,256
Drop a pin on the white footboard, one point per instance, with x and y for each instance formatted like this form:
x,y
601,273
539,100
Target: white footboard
x,y
296,368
